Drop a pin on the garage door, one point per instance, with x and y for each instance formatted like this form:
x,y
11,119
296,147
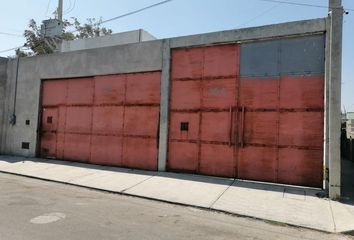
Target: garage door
x,y
252,111
203,102
109,120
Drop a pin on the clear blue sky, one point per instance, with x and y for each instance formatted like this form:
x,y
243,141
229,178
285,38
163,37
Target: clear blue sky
x,y
180,17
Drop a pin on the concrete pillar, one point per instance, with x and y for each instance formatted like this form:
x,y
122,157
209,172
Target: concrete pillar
x,y
334,107
3,79
164,105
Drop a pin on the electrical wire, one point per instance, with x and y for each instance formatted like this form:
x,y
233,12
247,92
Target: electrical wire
x,y
11,34
259,15
65,10
48,5
130,13
71,8
300,4
7,50
136,11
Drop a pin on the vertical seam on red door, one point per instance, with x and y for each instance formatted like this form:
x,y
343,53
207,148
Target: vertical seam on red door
x,y
92,108
124,106
201,111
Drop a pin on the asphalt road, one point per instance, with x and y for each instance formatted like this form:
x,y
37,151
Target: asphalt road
x,y
34,210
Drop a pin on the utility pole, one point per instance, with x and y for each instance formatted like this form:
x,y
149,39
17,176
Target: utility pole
x,y
60,10
334,75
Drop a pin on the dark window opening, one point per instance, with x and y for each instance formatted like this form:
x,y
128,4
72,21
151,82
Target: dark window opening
x,y
25,145
184,126
27,122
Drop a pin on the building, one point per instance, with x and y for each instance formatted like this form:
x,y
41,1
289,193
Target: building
x,y
350,125
243,103
107,41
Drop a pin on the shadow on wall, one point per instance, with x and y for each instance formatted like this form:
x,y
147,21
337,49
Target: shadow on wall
x,y
347,176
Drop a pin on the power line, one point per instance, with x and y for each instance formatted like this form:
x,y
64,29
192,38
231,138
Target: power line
x,y
70,8
7,50
259,15
131,13
300,4
10,34
48,5
136,11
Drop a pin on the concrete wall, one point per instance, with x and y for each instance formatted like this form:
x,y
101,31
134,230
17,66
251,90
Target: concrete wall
x,y
137,57
3,78
107,41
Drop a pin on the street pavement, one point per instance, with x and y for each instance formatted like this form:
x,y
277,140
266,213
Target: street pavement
x,y
32,209
298,206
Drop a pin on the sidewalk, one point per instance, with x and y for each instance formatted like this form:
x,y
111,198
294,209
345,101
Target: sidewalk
x,y
284,204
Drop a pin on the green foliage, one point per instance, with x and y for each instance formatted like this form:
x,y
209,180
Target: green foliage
x,y
38,45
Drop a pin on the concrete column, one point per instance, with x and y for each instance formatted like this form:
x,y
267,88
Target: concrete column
x,y
164,105
334,81
3,79
326,110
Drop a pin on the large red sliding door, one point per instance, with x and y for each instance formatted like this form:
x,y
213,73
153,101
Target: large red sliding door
x,y
203,102
104,120
252,111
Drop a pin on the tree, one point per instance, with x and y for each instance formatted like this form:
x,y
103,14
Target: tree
x,y
38,45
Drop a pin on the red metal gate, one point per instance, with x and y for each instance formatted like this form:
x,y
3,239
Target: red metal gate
x,y
104,120
203,100
258,116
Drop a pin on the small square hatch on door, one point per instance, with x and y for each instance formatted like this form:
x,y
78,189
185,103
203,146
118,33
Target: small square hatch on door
x,y
49,119
184,126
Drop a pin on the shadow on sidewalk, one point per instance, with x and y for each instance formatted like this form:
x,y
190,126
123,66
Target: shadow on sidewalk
x,y
262,186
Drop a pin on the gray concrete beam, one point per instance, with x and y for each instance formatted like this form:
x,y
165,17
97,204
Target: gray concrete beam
x,y
335,74
164,107
3,79
254,33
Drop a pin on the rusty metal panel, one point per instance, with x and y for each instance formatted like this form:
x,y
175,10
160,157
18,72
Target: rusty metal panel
x,y
106,150
60,145
260,59
258,163
61,119
301,129
302,55
48,144
78,119
300,167
184,126
185,95
187,63
183,156
140,153
260,128
220,61
216,126
259,94
141,121
217,160
50,119
143,88
107,120
109,89
77,147
219,93
54,92
80,91
302,92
